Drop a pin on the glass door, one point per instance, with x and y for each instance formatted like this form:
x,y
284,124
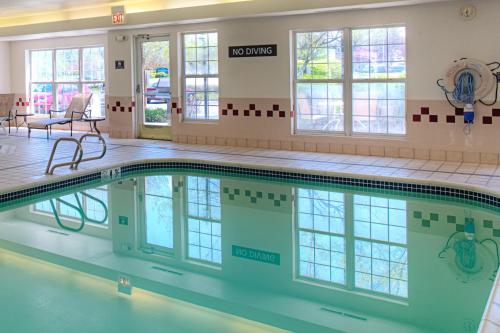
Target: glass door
x,y
153,93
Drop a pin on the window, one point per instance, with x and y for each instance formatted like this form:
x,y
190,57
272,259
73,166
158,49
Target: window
x,y
320,73
94,203
368,254
56,75
376,81
381,262
321,237
378,86
158,200
204,219
201,76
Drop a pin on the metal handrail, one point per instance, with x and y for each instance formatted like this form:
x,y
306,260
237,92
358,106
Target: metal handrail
x,y
58,220
93,158
100,202
77,156
74,161
81,212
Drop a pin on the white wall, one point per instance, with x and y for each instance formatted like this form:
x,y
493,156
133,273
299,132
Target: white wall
x,y
4,67
436,35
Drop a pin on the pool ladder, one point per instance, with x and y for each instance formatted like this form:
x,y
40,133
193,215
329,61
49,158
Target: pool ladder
x,y
77,156
80,210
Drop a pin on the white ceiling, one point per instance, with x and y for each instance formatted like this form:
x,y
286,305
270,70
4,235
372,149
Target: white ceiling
x,y
18,7
27,7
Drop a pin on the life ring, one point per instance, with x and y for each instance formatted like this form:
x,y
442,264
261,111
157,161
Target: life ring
x,y
484,78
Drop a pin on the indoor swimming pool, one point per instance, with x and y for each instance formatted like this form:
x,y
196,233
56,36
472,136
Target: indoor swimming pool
x,y
191,251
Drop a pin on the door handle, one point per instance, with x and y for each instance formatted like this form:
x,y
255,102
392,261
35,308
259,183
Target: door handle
x,y
138,89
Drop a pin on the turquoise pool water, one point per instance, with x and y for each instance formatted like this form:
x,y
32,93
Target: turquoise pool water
x,y
295,256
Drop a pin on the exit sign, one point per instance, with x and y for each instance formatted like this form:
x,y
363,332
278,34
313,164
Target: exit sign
x,y
118,14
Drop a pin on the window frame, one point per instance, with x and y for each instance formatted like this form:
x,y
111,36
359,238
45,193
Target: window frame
x,y
54,83
296,81
348,82
349,248
195,76
211,220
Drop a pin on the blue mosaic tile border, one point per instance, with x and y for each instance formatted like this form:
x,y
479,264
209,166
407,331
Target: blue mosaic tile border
x,y
376,184
253,172
37,190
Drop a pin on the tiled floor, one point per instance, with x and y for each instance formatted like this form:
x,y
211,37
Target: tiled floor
x,y
23,162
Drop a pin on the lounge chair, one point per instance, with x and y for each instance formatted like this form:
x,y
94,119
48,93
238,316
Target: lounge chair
x,y
75,112
6,115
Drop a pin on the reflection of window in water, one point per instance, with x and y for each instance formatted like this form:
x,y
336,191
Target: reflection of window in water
x,y
91,207
321,235
381,262
159,211
204,219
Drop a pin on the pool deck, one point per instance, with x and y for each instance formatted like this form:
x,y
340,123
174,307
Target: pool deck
x,y
23,162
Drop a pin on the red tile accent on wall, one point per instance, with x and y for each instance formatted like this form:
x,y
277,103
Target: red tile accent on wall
x,y
450,119
119,107
252,110
433,118
424,110
496,112
21,102
459,111
417,118
487,120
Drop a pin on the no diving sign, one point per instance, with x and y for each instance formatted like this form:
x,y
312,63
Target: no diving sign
x,y
253,51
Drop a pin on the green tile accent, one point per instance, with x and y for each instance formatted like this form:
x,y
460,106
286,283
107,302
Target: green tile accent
x,y
451,219
259,195
237,191
270,196
231,197
225,190
277,203
253,200
417,215
488,224
426,223
283,197
496,232
459,227
247,193
434,217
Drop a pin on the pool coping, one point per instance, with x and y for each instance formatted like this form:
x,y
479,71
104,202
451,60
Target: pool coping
x,y
472,192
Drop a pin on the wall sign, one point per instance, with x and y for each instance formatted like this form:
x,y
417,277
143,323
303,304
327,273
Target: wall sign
x,y
270,50
257,255
119,64
118,15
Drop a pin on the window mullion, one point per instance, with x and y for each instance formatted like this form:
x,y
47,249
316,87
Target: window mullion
x,y
348,82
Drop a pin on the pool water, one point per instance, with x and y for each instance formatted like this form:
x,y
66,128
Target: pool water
x,y
303,257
